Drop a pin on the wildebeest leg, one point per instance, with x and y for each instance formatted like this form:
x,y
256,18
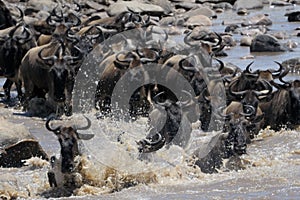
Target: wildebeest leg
x,y
51,179
19,90
7,86
30,92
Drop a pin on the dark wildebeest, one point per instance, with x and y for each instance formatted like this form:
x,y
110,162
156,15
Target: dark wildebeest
x,y
172,124
6,19
15,41
63,170
232,142
252,119
209,157
283,107
258,79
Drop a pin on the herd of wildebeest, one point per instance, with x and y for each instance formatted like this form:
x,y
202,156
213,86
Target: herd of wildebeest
x,y
43,61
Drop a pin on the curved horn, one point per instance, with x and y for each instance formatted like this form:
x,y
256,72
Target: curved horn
x,y
21,13
192,69
78,7
127,60
155,98
276,73
283,71
219,112
74,59
189,101
139,51
49,128
94,36
218,47
234,93
166,103
148,146
219,39
222,65
186,40
154,59
50,21
70,36
127,16
24,37
136,18
263,93
49,60
250,111
248,70
205,94
89,123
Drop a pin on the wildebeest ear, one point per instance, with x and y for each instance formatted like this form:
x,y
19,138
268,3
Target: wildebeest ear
x,y
85,136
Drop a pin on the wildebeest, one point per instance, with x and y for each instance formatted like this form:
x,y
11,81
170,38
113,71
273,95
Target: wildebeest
x,y
209,156
113,68
63,171
251,119
210,41
50,69
256,80
15,41
283,107
211,97
171,123
6,19
250,96
121,22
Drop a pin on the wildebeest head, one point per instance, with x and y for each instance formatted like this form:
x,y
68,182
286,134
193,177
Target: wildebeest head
x,y
61,69
253,79
251,97
167,118
68,138
210,41
128,20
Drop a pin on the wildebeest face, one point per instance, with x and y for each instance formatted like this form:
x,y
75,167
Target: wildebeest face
x,y
68,139
250,99
237,136
69,148
59,75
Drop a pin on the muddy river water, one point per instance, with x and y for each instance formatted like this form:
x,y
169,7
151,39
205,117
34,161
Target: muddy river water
x,y
272,172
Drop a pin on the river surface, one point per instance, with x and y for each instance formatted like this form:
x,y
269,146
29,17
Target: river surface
x,y
272,172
